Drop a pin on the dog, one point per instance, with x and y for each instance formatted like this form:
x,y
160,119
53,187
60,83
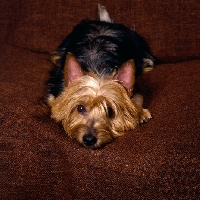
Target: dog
x,y
91,89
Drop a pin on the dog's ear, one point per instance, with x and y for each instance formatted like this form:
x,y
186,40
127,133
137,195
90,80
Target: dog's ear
x,y
126,76
72,69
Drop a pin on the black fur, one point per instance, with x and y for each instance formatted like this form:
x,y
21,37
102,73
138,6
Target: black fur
x,y
100,47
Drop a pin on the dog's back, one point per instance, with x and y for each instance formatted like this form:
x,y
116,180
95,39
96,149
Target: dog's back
x,y
100,46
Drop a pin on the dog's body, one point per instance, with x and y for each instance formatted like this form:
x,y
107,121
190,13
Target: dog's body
x,y
91,89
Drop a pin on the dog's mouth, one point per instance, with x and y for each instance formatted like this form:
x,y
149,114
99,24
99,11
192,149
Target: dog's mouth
x,y
91,136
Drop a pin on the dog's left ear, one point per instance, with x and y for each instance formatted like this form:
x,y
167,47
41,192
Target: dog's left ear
x,y
126,76
72,69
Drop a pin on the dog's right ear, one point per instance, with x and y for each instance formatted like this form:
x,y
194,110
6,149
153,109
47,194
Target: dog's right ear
x,y
72,69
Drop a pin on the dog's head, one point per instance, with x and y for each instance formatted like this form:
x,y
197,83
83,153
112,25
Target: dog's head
x,y
95,110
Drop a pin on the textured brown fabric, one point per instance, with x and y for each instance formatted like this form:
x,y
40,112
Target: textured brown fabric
x,y
158,160
170,27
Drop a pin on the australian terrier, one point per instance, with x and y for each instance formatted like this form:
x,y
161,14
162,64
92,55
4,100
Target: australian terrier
x,y
91,89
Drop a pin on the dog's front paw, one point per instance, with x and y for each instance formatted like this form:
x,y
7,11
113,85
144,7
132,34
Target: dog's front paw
x,y
145,116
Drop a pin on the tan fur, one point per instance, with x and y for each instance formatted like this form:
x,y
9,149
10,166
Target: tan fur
x,y
54,58
97,95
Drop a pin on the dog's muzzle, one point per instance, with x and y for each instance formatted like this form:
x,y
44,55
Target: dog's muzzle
x,y
89,140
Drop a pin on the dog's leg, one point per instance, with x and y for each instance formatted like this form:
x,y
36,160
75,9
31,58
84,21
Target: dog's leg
x,y
144,114
148,64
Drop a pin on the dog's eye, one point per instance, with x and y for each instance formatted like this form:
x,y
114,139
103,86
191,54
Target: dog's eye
x,y
110,112
81,109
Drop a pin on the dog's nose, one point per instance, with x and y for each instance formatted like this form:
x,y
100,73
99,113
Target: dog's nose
x,y
89,140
